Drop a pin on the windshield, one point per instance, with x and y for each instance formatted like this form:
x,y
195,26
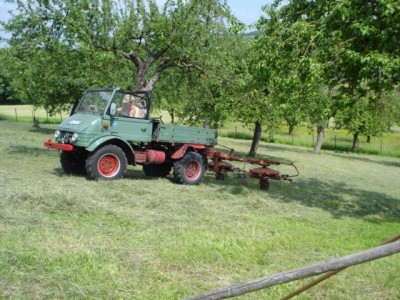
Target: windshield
x,y
94,102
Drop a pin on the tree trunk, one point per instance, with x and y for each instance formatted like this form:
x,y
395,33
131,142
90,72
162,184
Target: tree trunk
x,y
256,139
291,127
355,142
142,69
368,139
172,115
320,138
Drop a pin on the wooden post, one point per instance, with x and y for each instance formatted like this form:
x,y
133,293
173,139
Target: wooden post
x,y
312,270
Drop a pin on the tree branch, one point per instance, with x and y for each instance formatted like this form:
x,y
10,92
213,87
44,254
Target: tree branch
x,y
134,57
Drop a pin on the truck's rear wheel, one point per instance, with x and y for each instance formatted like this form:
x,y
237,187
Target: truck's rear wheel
x,y
73,163
154,170
189,169
108,163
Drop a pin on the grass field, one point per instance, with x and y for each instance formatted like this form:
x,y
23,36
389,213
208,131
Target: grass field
x,y
25,113
387,144
67,237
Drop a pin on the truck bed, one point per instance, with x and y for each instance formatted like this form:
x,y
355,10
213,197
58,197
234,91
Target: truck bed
x,y
171,133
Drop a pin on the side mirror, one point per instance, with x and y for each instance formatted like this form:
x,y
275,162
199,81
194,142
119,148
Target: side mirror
x,y
113,108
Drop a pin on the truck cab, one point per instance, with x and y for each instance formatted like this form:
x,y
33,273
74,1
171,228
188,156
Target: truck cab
x,y
104,113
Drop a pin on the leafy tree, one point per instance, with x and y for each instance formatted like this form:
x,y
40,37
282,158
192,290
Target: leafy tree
x,y
205,96
359,47
253,105
286,76
91,36
50,64
177,36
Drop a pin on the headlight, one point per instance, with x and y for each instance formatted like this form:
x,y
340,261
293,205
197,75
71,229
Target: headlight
x,y
57,134
74,137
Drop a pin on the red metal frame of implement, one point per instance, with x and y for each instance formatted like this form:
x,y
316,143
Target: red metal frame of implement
x,y
219,165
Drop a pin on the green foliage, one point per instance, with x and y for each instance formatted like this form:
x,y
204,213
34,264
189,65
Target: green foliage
x,y
63,47
208,94
290,70
55,54
284,79
356,45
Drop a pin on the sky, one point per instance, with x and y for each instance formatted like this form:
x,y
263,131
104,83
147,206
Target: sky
x,y
247,11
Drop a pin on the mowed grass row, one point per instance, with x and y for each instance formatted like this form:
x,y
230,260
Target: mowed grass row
x,y
67,237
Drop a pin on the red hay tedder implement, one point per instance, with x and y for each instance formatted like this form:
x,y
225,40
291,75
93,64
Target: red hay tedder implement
x,y
219,165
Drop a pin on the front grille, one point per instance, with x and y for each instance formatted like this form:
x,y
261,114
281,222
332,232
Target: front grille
x,y
65,137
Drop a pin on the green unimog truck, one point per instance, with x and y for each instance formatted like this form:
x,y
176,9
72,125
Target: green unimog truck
x,y
109,129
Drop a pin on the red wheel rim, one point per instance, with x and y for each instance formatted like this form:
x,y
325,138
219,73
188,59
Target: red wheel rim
x,y
108,165
192,170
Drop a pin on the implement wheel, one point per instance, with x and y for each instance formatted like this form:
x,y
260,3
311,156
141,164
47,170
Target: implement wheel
x,y
108,163
189,169
264,184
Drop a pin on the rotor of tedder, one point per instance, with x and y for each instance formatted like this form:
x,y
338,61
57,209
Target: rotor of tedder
x,y
219,165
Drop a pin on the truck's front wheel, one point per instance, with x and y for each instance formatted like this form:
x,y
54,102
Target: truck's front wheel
x,y
73,163
108,163
189,169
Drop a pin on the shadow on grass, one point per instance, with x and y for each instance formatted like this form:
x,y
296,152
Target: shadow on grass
x,y
44,131
130,174
32,151
362,158
341,200
285,148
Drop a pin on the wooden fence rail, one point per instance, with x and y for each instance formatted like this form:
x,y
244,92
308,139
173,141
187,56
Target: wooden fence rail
x,y
331,273
304,272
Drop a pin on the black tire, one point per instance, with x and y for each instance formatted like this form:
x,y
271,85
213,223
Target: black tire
x,y
73,163
264,184
205,160
189,169
107,163
154,170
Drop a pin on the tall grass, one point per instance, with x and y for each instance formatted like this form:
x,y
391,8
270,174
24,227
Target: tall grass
x,y
67,237
26,113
